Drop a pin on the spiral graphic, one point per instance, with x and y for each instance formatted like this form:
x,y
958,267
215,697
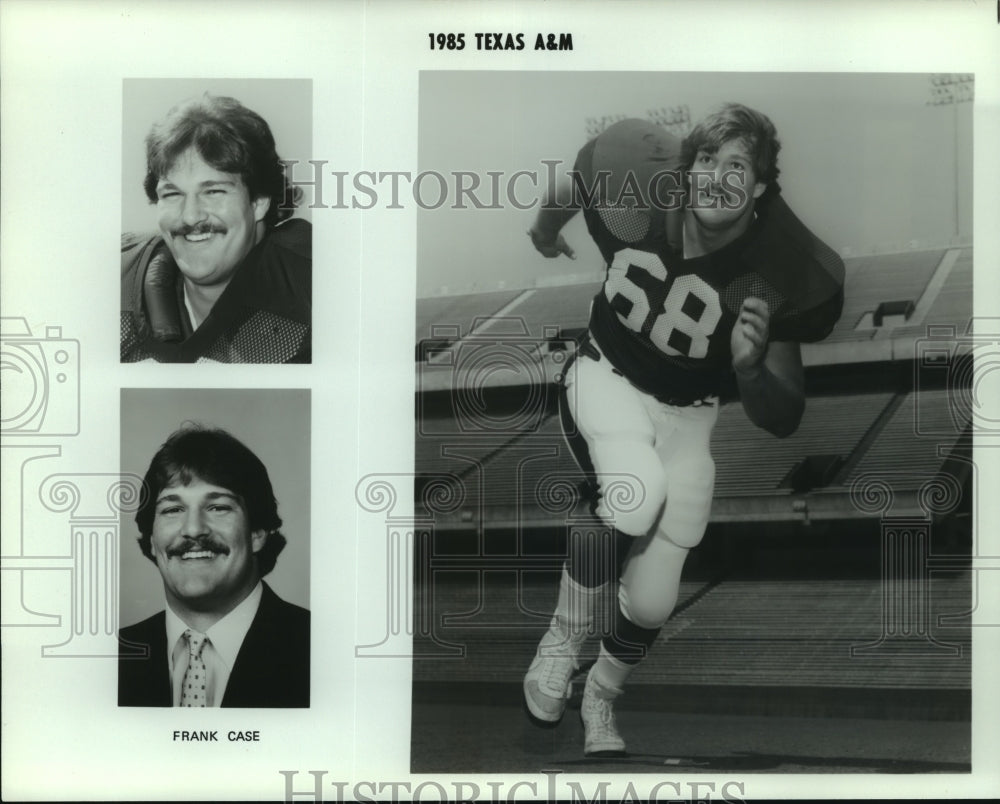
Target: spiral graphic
x,y
556,494
443,494
962,393
940,495
126,494
375,493
871,494
60,495
24,387
623,495
478,367
983,392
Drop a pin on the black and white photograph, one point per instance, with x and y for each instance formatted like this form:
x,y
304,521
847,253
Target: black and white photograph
x,y
215,589
216,257
694,423
640,446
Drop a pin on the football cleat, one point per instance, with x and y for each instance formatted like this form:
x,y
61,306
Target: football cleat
x,y
600,731
547,684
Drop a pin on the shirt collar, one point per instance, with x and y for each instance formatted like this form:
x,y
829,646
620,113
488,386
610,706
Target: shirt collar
x,y
227,634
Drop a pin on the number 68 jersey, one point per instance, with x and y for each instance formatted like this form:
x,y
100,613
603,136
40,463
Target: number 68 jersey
x,y
664,321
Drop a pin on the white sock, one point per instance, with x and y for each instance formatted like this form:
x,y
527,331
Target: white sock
x,y
574,614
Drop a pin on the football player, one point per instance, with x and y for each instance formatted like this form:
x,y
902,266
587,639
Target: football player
x,y
228,277
709,273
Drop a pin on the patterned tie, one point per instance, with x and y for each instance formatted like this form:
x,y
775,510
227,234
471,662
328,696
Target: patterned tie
x,y
195,677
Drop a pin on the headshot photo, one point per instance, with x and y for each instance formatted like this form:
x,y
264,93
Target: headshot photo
x,y
207,619
216,258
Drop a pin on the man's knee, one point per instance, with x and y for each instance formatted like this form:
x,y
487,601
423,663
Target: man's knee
x,y
649,607
651,581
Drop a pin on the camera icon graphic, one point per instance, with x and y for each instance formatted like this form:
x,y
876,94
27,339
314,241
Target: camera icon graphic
x,y
40,381
965,369
500,379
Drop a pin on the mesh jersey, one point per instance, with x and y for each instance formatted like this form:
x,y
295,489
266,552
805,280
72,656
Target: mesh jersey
x,y
665,321
263,316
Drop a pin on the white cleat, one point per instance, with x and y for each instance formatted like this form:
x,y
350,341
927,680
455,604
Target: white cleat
x,y
547,684
600,732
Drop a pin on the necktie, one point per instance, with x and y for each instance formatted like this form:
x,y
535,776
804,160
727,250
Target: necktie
x,y
195,677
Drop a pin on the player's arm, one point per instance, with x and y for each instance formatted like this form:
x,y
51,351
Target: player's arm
x,y
769,374
558,208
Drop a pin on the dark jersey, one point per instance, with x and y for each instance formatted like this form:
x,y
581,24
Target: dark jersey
x,y
263,316
665,321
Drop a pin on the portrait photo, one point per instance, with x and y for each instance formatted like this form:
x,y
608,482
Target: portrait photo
x,y
214,590
216,254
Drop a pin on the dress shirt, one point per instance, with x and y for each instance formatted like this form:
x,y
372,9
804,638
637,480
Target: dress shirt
x,y
219,654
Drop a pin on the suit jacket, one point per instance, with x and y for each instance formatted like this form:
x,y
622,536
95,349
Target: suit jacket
x,y
271,668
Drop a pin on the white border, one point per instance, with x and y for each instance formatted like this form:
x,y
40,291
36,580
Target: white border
x,y
63,64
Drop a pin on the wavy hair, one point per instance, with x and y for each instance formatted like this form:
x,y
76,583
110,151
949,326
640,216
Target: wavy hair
x,y
734,121
229,137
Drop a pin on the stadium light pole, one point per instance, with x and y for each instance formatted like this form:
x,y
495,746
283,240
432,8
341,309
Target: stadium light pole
x,y
953,89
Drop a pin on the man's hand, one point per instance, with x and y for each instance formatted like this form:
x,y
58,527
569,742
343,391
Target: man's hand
x,y
549,246
769,375
749,338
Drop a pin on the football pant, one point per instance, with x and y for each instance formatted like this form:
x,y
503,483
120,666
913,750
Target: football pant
x,y
650,462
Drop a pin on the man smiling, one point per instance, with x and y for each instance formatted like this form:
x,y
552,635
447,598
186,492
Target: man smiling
x,y
210,524
228,277
204,550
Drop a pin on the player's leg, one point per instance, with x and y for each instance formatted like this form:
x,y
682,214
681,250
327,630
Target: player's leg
x,y
654,564
650,582
547,682
612,438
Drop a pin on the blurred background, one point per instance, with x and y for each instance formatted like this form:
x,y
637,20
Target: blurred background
x,y
871,162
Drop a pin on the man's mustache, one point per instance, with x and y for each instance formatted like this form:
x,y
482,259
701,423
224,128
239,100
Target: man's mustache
x,y
198,229
197,545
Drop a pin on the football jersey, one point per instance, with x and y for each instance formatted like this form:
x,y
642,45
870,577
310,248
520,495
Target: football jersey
x,y
263,316
665,321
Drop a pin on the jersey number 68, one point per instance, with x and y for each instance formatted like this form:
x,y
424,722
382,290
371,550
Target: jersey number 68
x,y
688,315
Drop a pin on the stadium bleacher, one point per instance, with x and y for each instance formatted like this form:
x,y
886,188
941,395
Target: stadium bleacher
x,y
866,428
874,411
